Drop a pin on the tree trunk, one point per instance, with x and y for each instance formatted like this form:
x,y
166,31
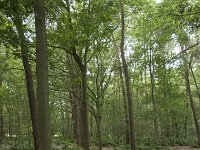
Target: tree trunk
x,y
84,125
29,79
76,119
127,81
99,135
186,119
84,108
63,120
10,122
151,71
127,138
1,114
195,81
83,68
189,94
98,122
176,128
42,77
75,95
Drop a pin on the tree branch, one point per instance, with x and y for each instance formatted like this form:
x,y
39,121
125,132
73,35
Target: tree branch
x,y
183,51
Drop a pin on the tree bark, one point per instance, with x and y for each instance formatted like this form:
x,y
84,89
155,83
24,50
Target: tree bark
x,y
42,77
151,71
194,79
76,112
127,138
1,115
186,117
82,64
127,80
83,105
98,122
84,108
29,78
189,94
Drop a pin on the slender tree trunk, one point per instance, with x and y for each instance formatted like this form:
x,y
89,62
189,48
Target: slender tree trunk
x,y
176,128
10,131
91,122
195,81
42,77
84,125
1,114
189,94
74,117
151,71
19,131
98,123
85,137
63,120
80,121
127,138
186,118
127,81
76,113
99,135
75,94
83,68
29,79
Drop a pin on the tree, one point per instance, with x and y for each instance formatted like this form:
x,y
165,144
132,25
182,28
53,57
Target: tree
x,y
127,80
14,10
28,75
42,77
88,80
190,97
1,112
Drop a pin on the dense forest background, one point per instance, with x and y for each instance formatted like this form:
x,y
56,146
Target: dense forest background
x,y
99,74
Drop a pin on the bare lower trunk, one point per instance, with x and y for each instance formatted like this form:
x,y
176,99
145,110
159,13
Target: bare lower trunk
x,y
195,81
151,71
186,119
74,118
42,77
127,81
187,67
29,79
82,64
127,138
176,128
98,123
76,113
189,94
84,108
1,115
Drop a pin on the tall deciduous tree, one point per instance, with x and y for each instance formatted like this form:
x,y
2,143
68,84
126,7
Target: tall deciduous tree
x,y
127,80
190,97
28,75
14,10
1,113
42,77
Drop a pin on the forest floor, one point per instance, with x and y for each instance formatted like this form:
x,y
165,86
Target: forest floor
x,y
61,147
107,148
172,148
183,148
